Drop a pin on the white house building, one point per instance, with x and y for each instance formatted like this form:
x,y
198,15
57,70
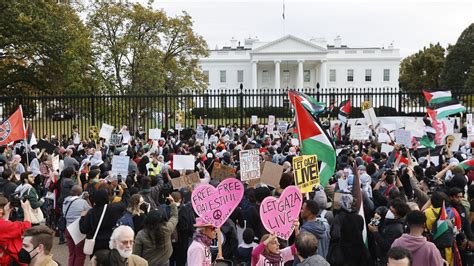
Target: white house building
x,y
291,62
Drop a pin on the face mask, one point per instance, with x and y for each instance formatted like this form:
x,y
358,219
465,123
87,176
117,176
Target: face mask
x,y
389,215
24,255
125,253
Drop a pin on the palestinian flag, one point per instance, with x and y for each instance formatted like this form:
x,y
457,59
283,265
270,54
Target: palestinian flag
x,y
344,110
468,164
442,104
441,223
314,139
314,107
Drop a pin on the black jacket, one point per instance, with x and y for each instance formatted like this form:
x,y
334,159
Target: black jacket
x,y
391,230
89,223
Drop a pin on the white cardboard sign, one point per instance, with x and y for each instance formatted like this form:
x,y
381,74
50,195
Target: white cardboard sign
x,y
126,137
254,119
403,137
360,132
386,148
384,138
120,164
249,164
185,162
370,116
154,133
106,131
271,120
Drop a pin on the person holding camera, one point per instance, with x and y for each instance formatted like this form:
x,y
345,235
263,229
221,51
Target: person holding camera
x,y
27,191
11,232
392,228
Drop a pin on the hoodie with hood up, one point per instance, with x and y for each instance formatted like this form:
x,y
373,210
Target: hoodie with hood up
x,y
422,251
320,230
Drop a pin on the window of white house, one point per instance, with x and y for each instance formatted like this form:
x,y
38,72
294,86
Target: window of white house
x,y
223,76
350,75
265,76
386,75
368,75
332,75
307,76
206,74
240,76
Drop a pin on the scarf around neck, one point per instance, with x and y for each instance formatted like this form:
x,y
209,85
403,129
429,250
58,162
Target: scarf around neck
x,y
201,238
273,259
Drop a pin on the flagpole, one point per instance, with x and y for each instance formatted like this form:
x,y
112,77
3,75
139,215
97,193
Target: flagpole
x,y
297,122
25,137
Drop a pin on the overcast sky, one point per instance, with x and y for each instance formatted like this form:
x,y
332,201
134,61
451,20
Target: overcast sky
x,y
411,24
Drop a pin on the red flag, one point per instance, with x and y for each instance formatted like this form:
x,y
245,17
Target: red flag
x,y
13,128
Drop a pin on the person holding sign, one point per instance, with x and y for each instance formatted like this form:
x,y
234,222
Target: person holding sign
x,y
268,251
199,252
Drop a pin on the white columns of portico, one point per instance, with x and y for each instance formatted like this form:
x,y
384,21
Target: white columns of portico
x,y
277,75
299,80
254,76
323,74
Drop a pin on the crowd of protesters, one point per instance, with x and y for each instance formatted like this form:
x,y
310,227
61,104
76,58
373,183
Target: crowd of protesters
x,y
139,219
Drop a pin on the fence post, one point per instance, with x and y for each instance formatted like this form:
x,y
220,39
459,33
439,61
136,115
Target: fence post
x,y
93,110
241,105
166,110
399,101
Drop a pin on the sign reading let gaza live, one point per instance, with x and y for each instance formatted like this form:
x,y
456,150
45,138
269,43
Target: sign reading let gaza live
x,y
306,172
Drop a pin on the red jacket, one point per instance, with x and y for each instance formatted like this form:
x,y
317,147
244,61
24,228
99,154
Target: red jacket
x,y
10,240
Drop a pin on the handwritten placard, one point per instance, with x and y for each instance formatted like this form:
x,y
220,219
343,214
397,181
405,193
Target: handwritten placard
x,y
403,137
106,131
282,127
360,132
200,134
306,172
279,214
126,137
120,165
254,119
271,120
222,172
185,181
249,164
215,205
116,139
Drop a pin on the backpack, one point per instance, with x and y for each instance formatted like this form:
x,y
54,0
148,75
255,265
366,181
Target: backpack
x,y
447,238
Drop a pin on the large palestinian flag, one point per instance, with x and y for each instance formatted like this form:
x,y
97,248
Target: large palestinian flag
x,y
314,140
442,103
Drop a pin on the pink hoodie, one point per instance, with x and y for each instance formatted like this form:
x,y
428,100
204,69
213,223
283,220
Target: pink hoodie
x,y
422,251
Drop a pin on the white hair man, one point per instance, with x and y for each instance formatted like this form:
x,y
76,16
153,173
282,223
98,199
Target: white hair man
x,y
121,247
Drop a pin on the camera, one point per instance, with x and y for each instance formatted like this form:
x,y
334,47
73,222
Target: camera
x,y
15,200
374,222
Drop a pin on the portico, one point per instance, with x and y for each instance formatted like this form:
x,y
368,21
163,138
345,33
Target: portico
x,y
304,66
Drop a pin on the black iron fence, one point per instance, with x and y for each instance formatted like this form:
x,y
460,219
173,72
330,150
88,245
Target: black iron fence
x,y
56,114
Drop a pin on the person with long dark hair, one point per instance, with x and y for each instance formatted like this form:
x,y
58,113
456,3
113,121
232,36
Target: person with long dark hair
x,y
153,242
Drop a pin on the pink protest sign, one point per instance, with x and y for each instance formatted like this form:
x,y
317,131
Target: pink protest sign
x,y
279,214
215,205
